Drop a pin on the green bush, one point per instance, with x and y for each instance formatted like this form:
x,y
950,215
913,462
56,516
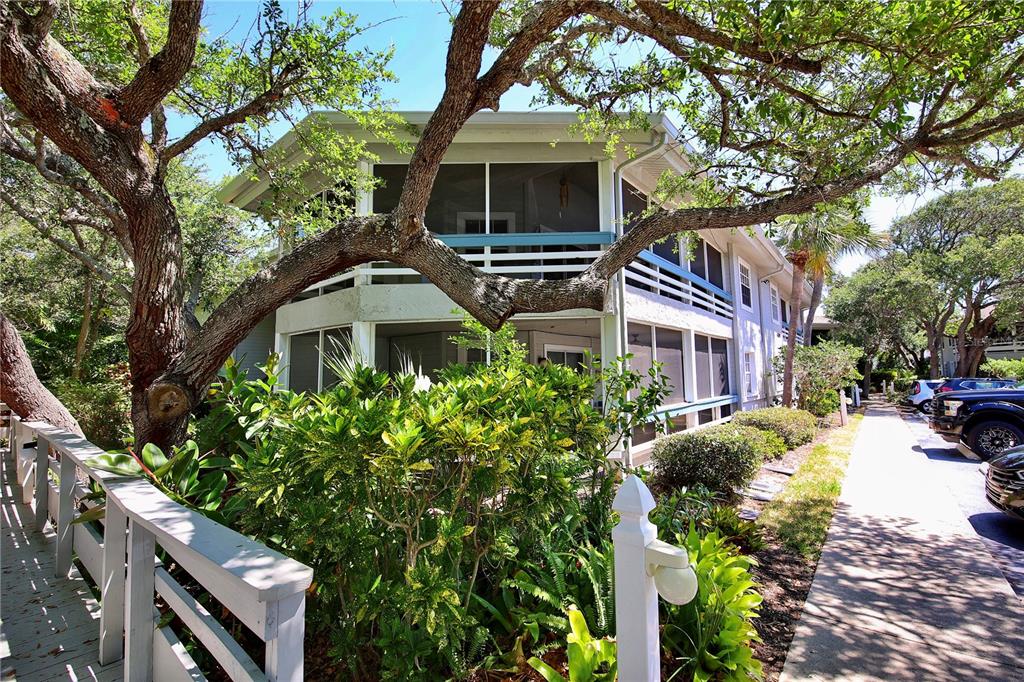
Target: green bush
x,y
819,371
102,407
795,427
447,522
768,444
710,638
720,458
1008,369
709,512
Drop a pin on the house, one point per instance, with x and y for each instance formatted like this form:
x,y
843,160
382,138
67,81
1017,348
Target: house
x,y
513,202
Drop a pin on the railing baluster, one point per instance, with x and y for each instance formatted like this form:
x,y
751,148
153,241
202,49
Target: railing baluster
x,y
65,514
139,621
40,482
115,528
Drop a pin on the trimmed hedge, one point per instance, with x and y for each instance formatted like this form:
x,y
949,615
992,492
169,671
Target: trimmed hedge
x,y
795,427
721,458
768,444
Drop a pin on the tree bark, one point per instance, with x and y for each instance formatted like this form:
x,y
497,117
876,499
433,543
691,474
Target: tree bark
x,y
812,308
83,329
868,362
21,389
798,260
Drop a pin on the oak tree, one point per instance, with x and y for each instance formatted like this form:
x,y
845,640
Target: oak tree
x,y
783,106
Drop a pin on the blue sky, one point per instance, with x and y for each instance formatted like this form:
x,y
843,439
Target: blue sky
x,y
419,31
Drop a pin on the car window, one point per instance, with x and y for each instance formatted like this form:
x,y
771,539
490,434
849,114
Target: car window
x,y
934,384
969,385
985,385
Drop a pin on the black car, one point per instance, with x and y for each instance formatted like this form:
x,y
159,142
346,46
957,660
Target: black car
x,y
1004,482
986,423
973,384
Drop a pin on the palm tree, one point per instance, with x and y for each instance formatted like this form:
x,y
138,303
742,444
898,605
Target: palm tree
x,y
812,242
852,234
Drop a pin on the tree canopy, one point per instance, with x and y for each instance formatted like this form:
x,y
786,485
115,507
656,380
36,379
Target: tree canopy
x,y
783,106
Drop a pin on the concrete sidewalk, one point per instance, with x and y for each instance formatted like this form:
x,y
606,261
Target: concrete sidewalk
x,y
905,590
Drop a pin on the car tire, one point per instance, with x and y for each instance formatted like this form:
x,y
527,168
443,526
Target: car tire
x,y
990,438
925,406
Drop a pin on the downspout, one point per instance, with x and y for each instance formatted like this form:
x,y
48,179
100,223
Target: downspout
x,y
620,278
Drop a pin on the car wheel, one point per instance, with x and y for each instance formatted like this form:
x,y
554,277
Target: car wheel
x,y
988,439
926,406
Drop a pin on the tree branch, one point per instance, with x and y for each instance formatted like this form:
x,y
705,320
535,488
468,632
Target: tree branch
x,y
162,72
46,231
261,104
682,25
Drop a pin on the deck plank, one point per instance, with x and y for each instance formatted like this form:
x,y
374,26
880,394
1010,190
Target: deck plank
x,y
49,626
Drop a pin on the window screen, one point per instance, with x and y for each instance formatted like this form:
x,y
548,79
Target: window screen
x,y
702,348
746,295
670,355
720,366
304,362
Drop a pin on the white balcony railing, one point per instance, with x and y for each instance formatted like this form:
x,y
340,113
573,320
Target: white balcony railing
x,y
553,255
262,588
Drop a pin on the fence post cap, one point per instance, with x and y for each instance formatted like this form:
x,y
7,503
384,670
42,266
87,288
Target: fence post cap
x,y
633,497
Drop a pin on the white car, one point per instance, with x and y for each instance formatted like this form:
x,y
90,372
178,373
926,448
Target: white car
x,y
921,393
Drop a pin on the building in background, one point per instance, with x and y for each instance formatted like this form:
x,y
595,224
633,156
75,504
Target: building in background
x,y
513,203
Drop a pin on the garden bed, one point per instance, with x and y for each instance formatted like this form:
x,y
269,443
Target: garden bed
x,y
784,573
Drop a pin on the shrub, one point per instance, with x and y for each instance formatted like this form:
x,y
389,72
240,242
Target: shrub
x,y
795,427
711,637
768,444
102,407
1008,369
720,458
433,511
819,371
709,513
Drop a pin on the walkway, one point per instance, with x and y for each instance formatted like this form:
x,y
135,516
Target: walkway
x,y
48,626
905,590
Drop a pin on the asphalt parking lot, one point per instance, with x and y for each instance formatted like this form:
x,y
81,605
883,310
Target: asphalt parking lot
x,y
1002,535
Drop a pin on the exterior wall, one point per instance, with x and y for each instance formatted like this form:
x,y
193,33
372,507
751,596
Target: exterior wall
x,y
256,347
423,317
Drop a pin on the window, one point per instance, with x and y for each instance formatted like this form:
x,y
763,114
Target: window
x,y
707,263
304,362
570,356
458,190
546,197
775,304
712,360
746,293
784,310
639,345
749,378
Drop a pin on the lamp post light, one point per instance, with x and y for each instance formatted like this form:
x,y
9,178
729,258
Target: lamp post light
x,y
644,568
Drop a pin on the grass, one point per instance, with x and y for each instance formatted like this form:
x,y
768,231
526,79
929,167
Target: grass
x,y
800,515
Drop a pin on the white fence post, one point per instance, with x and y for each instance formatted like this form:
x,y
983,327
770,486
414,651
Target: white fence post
x,y
65,514
139,620
286,621
41,482
115,527
636,598
843,417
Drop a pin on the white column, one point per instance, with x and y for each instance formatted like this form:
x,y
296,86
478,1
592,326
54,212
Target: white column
x,y
689,374
281,347
364,342
636,599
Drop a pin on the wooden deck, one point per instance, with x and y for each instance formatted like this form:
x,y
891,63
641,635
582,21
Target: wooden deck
x,y
49,626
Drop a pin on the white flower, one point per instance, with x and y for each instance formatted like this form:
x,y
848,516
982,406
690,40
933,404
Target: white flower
x,y
423,383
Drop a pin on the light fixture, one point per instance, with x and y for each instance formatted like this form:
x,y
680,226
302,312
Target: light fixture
x,y
674,577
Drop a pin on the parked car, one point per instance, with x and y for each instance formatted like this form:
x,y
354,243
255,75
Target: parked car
x,y
921,392
983,423
973,384
1004,482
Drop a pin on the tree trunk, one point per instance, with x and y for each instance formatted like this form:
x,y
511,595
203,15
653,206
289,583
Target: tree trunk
x,y
157,332
21,389
84,329
812,308
973,347
868,362
798,260
934,352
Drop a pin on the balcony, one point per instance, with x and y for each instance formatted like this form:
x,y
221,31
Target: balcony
x,y
550,255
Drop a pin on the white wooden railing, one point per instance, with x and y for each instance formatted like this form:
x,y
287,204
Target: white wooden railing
x,y
262,588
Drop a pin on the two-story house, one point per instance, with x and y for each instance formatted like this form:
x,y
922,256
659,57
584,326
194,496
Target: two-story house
x,y
514,203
